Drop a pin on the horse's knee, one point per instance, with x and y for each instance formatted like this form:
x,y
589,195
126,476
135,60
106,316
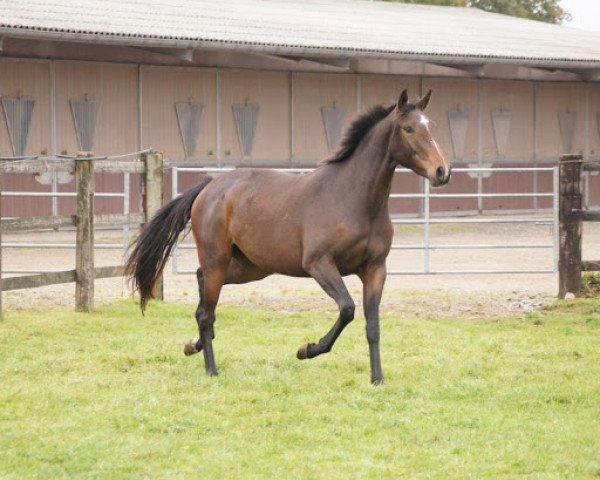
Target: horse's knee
x,y
347,312
372,333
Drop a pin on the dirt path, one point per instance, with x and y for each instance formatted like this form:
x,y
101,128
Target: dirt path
x,y
417,295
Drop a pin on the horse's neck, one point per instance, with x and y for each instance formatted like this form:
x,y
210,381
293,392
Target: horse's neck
x,y
368,174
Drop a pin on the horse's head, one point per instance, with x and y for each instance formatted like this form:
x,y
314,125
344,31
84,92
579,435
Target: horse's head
x,y
411,143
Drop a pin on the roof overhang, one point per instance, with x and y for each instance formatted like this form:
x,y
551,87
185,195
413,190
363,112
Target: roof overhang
x,y
352,36
87,47
292,50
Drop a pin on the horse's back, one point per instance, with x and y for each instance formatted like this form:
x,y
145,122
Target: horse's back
x,y
251,190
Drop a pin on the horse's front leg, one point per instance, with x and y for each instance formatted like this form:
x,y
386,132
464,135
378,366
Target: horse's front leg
x,y
325,272
373,278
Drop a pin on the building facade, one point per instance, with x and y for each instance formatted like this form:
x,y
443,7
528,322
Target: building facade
x,y
231,106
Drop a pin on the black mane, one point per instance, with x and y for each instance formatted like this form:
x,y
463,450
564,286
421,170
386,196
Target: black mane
x,y
357,130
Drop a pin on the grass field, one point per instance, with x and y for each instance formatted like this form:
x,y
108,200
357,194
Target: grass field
x,y
110,395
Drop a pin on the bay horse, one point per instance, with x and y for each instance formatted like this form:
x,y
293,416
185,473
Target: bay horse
x,y
334,221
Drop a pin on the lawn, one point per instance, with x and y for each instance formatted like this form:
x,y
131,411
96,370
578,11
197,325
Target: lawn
x,y
110,395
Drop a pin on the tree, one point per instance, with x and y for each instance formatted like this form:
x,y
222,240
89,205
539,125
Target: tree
x,y
543,10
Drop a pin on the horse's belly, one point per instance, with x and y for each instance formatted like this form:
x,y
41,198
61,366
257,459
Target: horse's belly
x,y
277,260
272,249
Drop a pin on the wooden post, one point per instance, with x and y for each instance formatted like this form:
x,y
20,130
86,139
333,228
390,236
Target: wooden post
x,y
570,226
152,197
84,253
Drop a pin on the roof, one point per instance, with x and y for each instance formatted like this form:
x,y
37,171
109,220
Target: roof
x,y
346,27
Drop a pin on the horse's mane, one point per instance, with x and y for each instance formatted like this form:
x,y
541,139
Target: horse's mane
x,y
356,132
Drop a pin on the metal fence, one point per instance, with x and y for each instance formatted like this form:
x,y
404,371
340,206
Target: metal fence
x,y
427,219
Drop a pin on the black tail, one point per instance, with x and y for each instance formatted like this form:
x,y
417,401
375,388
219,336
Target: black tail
x,y
157,238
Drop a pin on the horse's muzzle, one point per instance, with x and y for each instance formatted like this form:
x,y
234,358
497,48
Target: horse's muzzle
x,y
442,176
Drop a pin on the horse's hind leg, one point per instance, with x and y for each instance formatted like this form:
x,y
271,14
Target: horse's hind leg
x,y
194,345
327,275
213,278
240,270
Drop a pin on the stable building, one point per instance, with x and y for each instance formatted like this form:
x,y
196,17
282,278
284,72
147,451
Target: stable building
x,y
274,82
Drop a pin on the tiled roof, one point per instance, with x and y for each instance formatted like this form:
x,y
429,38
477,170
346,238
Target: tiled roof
x,y
348,27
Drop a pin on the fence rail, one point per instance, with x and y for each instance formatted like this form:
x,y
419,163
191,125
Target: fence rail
x,y
37,223
55,165
54,278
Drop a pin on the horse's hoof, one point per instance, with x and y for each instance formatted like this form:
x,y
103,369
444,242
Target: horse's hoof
x,y
302,353
377,381
190,347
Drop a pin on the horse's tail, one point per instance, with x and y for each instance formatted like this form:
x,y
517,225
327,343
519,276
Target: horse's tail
x,y
156,240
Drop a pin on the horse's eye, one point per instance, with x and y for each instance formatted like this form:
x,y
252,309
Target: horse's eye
x,y
409,129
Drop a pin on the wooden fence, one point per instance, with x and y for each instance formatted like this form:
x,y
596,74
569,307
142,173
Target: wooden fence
x,y
150,167
571,218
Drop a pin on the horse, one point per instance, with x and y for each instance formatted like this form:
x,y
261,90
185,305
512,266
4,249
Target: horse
x,y
250,223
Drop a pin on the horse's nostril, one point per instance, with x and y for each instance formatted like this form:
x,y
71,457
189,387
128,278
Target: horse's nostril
x,y
440,174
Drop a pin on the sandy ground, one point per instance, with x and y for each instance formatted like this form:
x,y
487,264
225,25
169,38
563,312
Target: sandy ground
x,y
465,295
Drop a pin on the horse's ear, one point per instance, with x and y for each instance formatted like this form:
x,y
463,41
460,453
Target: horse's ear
x,y
403,100
422,103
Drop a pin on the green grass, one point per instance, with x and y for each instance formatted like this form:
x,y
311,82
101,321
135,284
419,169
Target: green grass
x,y
110,395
